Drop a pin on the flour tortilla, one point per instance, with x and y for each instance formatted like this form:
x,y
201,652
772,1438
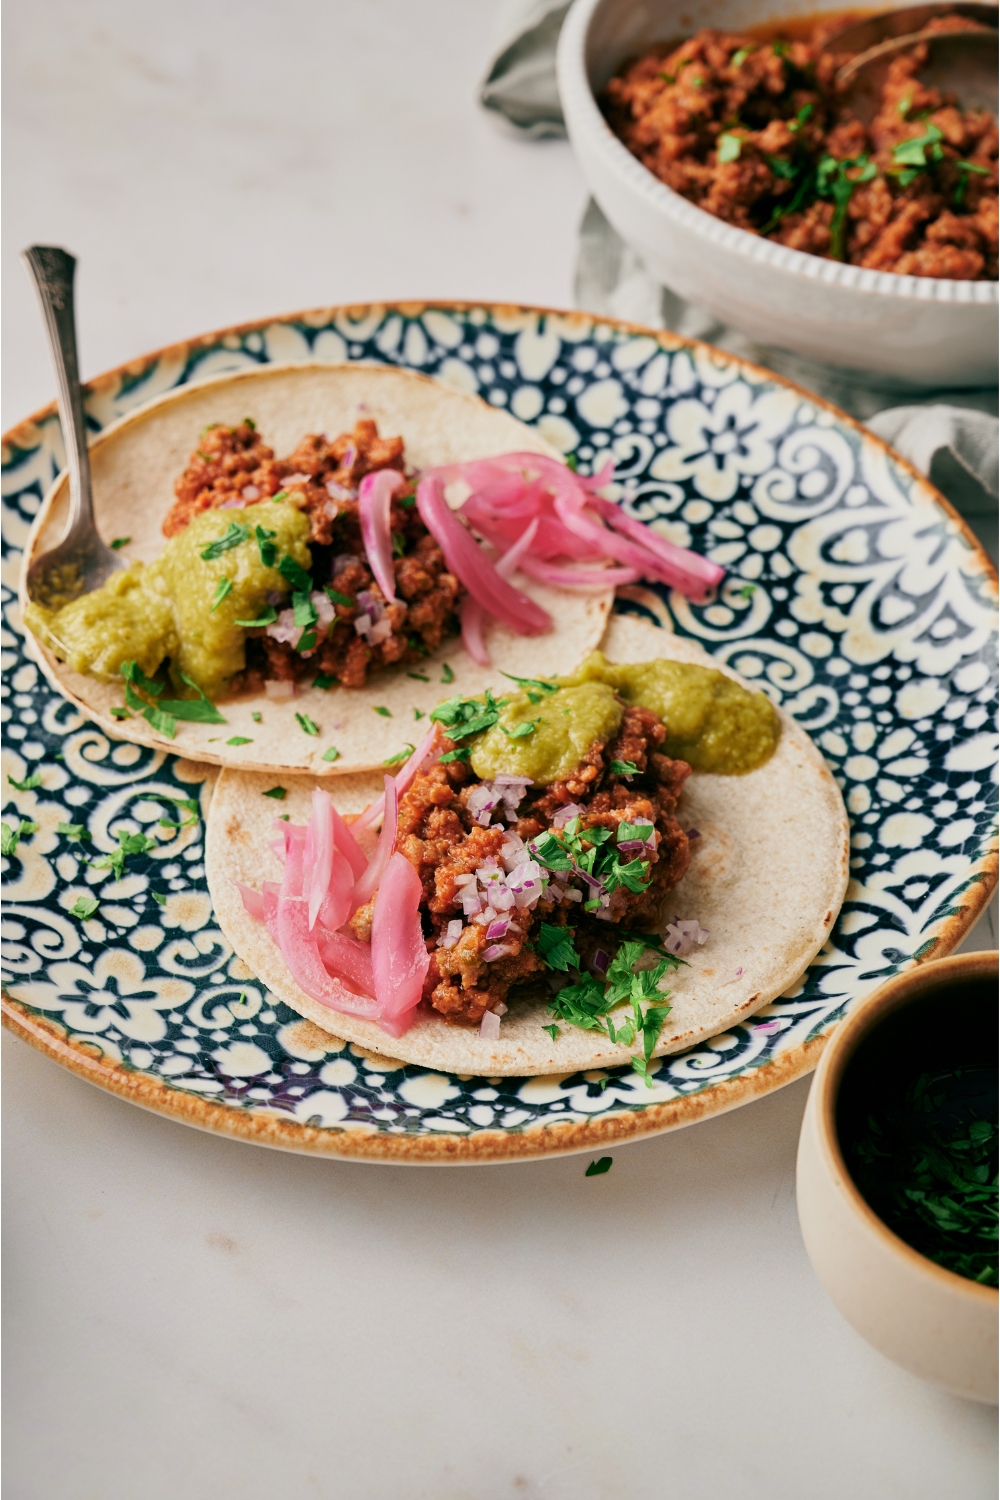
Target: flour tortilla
x,y
135,463
767,879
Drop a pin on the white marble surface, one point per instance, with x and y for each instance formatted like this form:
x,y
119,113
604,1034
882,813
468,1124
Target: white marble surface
x,y
188,1316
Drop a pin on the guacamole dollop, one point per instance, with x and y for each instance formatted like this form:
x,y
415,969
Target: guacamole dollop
x,y
184,607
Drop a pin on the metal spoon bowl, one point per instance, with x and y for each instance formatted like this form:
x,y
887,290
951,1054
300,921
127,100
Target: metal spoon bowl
x,y
962,64
80,561
861,36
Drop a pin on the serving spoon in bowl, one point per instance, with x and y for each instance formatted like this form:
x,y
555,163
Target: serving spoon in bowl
x,y
80,561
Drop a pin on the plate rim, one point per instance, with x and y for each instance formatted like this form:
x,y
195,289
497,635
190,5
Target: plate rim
x,y
482,1147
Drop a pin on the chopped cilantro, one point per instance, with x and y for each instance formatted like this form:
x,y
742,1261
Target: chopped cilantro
x,y
729,147
296,576
463,717
307,641
447,675
277,792
332,754
739,58
267,618
306,724
833,182
599,1167
255,716
418,714
158,898
266,547
747,591
380,708
534,682
11,837
128,843
72,830
84,907
118,711
964,168
781,48
781,168
915,151
232,537
338,597
400,756
398,544
222,588
324,680
624,768
553,1031
303,609
520,731
582,1004
119,542
239,739
28,784
418,676
557,948
801,118
462,754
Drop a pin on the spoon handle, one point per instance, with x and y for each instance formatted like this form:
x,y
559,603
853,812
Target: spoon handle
x,y
51,271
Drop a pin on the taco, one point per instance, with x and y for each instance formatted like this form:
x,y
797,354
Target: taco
x,y
285,592
575,874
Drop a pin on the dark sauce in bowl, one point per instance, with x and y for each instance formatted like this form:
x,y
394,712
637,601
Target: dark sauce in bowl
x,y
917,1124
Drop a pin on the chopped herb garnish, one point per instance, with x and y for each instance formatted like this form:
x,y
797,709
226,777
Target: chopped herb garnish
x,y
222,588
747,591
72,830
599,1167
915,151
739,58
324,680
418,676
553,1031
538,683
277,792
729,147
400,756
398,544
782,168
255,716
332,754
266,547
964,168
306,724
447,675
380,708
11,837
232,537
307,641
296,576
118,711
119,542
84,907
624,768
338,597
464,753
520,731
801,118
194,711
128,843
557,948
780,48
418,714
463,717
239,739
160,900
267,618
833,182
28,784
303,609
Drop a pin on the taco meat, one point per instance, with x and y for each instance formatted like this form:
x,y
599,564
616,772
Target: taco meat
x,y
233,467
470,869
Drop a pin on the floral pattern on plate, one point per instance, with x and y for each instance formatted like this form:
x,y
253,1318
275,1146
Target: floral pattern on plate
x,y
852,597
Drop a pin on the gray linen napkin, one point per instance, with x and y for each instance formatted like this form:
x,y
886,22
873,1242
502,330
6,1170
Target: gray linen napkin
x,y
949,435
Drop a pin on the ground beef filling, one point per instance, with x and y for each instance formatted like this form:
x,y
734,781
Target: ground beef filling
x,y
443,841
754,133
233,467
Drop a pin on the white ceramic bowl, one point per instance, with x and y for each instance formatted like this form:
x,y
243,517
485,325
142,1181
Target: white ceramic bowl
x,y
934,1323
912,330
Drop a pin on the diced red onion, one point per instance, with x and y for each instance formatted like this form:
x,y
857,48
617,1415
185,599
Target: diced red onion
x,y
337,492
350,457
564,815
495,951
362,624
374,502
250,492
489,1026
232,505
629,846
600,961
683,936
498,928
297,479
693,834
451,934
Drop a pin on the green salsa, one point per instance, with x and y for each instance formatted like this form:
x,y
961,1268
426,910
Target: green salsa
x,y
711,721
183,607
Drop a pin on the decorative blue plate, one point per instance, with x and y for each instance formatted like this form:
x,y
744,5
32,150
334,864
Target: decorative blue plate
x,y
854,597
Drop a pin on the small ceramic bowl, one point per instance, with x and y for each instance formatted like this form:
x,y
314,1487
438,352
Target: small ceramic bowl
x,y
913,331
938,1325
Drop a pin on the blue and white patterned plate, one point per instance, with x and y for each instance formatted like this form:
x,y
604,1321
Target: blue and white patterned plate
x,y
855,598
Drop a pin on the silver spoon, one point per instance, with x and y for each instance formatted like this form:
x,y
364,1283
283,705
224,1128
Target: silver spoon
x,y
960,63
861,35
80,561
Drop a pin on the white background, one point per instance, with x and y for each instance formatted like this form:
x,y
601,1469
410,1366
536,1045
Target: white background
x,y
190,1317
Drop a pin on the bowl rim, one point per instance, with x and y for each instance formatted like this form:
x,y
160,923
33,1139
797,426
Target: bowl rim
x,y
902,990
579,102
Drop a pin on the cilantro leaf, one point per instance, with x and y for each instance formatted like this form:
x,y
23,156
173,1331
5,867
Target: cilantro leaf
x,y
331,755
158,898
557,947
461,754
195,711
338,597
553,1031
277,792
119,542
296,576
624,768
548,850
324,681
307,725
728,147
534,682
303,609
447,675
222,588
231,538
581,1004
599,1167
400,756
11,837
520,731
265,546
239,739
72,830
84,907
28,784
267,618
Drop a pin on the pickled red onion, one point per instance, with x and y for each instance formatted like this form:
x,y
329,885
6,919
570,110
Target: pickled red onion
x,y
367,884
318,853
404,779
473,617
299,945
374,500
399,954
466,559
253,901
